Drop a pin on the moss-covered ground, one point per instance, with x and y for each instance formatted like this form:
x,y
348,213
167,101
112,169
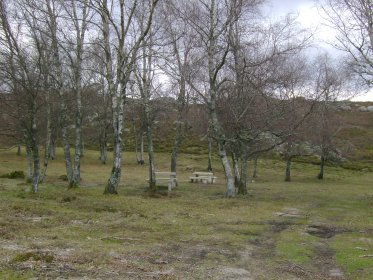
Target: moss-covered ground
x,y
305,229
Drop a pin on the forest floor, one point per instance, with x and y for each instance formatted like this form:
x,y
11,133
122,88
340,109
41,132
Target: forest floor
x,y
305,229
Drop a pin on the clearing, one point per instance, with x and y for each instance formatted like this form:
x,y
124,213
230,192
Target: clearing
x,y
305,229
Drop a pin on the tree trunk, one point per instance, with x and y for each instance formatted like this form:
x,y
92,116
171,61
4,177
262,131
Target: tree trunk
x,y
53,148
78,139
136,138
142,161
177,143
139,154
82,149
60,79
152,183
116,87
30,169
34,150
209,164
103,150
229,178
114,179
75,182
80,24
149,128
179,121
287,171
66,152
48,142
36,162
255,165
242,187
237,177
321,173
217,131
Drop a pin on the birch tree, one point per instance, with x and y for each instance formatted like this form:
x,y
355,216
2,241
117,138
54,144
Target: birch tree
x,y
24,71
353,22
252,102
121,40
329,83
177,65
78,15
144,76
212,20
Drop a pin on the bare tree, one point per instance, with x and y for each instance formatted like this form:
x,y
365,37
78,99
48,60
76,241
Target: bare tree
x,y
24,72
353,22
121,40
144,75
253,102
62,26
212,21
78,15
177,59
330,83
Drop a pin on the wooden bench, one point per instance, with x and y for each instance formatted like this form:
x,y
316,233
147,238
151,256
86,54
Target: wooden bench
x,y
202,177
166,178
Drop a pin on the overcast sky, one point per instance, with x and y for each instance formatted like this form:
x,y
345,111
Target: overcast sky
x,y
309,17
307,13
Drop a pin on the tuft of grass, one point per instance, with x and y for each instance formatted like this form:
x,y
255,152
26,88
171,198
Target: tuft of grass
x,y
8,273
68,198
36,256
18,174
63,177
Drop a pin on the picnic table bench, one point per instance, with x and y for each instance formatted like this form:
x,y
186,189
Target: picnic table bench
x,y
166,178
202,177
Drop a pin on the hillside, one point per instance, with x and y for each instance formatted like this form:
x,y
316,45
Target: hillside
x,y
354,138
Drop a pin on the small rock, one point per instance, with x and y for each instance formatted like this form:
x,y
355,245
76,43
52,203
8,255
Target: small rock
x,y
234,273
362,109
336,272
290,213
360,248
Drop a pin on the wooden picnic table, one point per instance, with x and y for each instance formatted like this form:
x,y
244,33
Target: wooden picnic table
x,y
202,177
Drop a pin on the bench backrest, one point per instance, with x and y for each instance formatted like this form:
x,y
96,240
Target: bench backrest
x,y
203,173
165,174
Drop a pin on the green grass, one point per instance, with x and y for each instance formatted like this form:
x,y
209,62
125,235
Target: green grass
x,y
195,233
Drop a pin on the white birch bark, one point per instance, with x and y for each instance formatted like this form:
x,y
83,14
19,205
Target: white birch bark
x,y
213,30
48,142
80,23
144,78
59,79
22,70
125,57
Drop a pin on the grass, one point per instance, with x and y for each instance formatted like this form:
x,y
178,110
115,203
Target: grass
x,y
195,233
